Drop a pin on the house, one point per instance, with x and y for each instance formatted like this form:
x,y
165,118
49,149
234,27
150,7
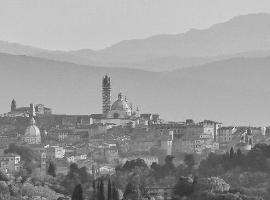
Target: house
x,y
225,136
10,163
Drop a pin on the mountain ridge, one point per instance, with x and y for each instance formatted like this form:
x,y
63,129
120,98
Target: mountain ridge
x,y
241,34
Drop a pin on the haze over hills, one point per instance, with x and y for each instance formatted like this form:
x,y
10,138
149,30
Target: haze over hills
x,y
232,91
247,35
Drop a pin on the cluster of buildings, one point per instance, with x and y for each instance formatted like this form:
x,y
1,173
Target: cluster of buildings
x,y
100,142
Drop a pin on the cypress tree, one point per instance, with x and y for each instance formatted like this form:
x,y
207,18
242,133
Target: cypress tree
x,y
101,195
94,189
232,153
115,194
52,169
94,185
77,193
109,189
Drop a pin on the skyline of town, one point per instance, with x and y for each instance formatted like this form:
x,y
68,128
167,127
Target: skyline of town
x,y
161,100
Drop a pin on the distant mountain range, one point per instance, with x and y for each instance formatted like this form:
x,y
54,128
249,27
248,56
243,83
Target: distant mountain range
x,y
247,35
231,91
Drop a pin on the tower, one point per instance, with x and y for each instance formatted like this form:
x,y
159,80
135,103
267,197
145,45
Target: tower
x,y
169,142
106,94
43,162
13,105
32,110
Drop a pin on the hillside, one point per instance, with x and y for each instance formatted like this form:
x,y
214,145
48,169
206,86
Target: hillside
x,y
234,90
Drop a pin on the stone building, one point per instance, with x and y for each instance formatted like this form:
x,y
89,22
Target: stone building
x,y
10,163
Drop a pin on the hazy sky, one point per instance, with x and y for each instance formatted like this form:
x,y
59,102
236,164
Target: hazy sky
x,y
95,24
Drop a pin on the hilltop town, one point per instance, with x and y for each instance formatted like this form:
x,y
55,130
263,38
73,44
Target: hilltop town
x,y
35,142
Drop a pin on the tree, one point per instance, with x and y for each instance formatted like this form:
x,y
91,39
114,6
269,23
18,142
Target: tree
x,y
137,163
115,193
83,174
77,193
72,179
73,168
101,195
133,191
232,153
4,191
256,159
3,176
168,168
52,169
109,189
184,186
239,153
189,161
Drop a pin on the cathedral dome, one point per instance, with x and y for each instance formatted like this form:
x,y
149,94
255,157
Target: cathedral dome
x,y
32,130
120,109
120,104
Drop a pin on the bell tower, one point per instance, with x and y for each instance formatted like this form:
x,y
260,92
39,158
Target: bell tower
x,y
106,94
13,105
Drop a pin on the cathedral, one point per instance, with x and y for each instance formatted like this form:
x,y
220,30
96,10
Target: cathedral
x,y
32,133
119,112
120,109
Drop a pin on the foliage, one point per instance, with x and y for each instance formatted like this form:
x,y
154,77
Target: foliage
x,y
161,171
137,163
213,184
109,197
115,193
189,161
226,196
184,186
30,191
101,195
52,169
4,191
28,156
3,177
133,191
26,153
77,193
255,160
74,177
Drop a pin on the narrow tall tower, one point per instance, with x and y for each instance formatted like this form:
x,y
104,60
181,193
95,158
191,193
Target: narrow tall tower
x,y
32,110
13,105
106,94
